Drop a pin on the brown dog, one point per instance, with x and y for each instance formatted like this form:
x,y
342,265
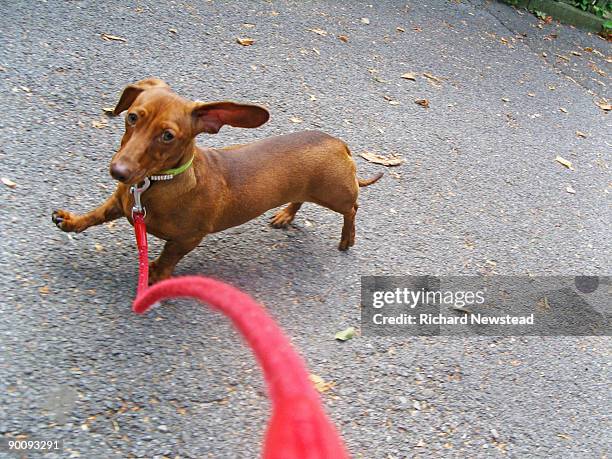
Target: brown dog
x,y
223,187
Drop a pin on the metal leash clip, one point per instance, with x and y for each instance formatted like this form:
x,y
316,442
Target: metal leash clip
x,y
137,192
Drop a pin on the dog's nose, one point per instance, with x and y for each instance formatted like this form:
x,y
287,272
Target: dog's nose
x,y
119,171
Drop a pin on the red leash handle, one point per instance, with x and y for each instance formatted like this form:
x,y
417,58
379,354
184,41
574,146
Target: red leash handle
x,y
299,427
140,230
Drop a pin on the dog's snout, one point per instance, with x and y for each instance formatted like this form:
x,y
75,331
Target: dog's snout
x,y
119,171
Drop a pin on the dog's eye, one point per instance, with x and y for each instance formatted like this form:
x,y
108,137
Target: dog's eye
x,y
167,137
132,118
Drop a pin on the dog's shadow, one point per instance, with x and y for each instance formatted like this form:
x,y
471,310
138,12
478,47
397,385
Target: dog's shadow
x,y
290,258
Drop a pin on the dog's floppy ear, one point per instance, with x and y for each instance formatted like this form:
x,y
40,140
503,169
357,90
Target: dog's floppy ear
x,y
131,92
210,117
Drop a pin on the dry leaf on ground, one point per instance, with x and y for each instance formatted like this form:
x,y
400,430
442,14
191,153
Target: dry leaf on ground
x,y
321,32
434,80
44,290
581,134
604,105
98,247
422,102
343,38
295,119
8,182
320,384
564,162
365,21
390,160
408,76
400,29
570,189
99,124
108,37
246,25
108,111
245,41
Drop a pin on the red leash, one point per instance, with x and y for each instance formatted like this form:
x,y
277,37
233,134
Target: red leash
x,y
143,252
299,427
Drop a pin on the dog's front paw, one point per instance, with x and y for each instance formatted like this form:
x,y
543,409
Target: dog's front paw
x,y
65,221
157,273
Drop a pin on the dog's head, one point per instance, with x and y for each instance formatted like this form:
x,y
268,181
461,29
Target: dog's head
x,y
160,127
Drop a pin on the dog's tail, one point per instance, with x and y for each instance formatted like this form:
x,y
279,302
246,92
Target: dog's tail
x,y
371,180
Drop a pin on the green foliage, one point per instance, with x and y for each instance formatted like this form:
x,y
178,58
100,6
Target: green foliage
x,y
540,14
603,9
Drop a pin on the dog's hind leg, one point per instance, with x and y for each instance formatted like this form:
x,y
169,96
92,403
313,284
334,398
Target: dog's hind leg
x,y
348,229
285,216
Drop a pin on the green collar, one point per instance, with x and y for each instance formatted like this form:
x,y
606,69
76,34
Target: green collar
x,y
169,174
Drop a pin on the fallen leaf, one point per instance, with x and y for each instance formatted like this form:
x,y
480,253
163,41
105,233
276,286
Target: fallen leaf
x,y
417,29
570,190
320,384
246,25
564,162
564,436
530,94
422,102
313,97
343,38
604,105
393,102
562,57
8,182
174,31
564,110
390,160
505,99
317,52
99,124
321,32
400,29
44,290
108,37
109,111
576,53
433,79
99,247
365,21
345,334
295,119
245,41
408,76
581,134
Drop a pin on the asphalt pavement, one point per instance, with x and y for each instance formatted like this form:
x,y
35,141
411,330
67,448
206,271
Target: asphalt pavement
x,y
480,192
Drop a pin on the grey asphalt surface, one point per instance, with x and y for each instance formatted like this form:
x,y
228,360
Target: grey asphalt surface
x,y
480,193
